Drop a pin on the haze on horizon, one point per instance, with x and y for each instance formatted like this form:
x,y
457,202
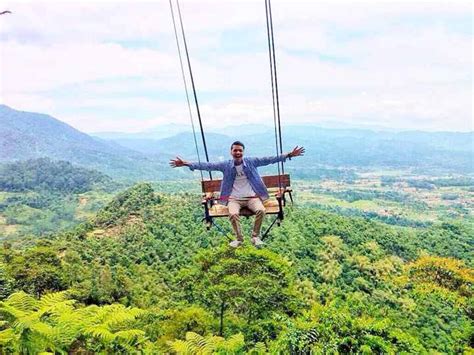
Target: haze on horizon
x,y
113,66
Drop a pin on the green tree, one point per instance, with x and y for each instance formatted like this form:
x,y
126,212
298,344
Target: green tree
x,y
37,271
6,282
247,282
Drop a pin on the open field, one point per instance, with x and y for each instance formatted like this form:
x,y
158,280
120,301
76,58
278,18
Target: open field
x,y
394,194
391,196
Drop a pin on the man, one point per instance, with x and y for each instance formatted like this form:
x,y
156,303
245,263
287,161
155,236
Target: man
x,y
241,186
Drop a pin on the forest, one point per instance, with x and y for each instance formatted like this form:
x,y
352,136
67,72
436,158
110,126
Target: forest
x,y
143,275
41,196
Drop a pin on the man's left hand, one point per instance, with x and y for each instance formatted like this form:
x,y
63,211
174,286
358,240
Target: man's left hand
x,y
296,152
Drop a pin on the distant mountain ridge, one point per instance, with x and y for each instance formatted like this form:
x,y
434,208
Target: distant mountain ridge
x,y
28,135
359,148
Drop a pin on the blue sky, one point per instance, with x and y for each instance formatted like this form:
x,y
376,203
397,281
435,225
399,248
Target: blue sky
x,y
113,66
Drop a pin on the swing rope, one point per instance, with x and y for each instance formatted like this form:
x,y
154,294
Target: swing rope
x,y
274,84
194,87
186,88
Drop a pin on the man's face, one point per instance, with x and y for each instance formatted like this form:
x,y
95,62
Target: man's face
x,y
237,152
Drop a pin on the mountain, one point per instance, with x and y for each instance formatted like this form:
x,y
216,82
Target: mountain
x,y
159,132
179,144
28,135
169,130
325,147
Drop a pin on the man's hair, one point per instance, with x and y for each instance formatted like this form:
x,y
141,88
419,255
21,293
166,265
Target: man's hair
x,y
237,143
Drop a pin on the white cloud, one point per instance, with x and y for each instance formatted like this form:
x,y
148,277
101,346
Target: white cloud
x,y
28,67
384,63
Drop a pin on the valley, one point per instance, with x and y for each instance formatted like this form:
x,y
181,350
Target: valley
x,y
375,255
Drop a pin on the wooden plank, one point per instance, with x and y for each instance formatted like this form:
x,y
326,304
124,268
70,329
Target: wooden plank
x,y
271,207
275,180
211,185
269,181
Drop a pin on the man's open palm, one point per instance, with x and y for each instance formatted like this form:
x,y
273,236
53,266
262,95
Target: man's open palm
x,y
297,151
178,162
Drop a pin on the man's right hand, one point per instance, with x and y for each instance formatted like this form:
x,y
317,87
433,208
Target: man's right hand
x,y
178,162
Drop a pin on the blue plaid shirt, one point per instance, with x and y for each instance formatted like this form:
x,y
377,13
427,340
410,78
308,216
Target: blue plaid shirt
x,y
250,166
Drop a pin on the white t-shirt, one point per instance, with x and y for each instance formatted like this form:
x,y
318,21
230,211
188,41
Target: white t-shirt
x,y
241,188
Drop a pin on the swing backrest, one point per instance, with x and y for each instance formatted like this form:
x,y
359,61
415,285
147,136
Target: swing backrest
x,y
270,181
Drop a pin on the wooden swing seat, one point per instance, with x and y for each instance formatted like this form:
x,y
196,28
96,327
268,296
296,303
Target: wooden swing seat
x,y
277,186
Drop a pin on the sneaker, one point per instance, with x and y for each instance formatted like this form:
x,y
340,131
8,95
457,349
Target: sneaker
x,y
257,241
235,243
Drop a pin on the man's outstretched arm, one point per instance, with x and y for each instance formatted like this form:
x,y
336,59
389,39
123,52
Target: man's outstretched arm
x,y
296,152
178,162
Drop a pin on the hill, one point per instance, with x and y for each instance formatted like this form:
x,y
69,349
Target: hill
x,y
54,176
28,135
41,196
145,275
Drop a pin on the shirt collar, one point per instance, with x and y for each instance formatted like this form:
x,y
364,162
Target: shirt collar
x,y
244,162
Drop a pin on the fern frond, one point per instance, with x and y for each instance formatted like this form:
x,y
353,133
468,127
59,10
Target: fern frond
x,y
87,315
136,312
118,317
64,334
43,329
26,322
58,311
235,342
216,341
259,349
7,336
10,313
129,336
55,303
34,343
213,343
101,313
196,343
50,299
101,332
116,314
22,301
179,346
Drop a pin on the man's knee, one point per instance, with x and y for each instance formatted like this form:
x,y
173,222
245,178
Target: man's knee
x,y
234,216
260,212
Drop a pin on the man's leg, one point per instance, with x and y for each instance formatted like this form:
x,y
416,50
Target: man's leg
x,y
234,216
256,206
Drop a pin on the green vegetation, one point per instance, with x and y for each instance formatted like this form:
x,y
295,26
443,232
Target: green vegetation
x,y
367,261
43,196
47,175
144,275
397,198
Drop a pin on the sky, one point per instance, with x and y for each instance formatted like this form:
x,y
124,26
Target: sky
x,y
105,66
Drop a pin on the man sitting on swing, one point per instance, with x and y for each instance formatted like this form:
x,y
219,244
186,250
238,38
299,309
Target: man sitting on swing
x,y
241,186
